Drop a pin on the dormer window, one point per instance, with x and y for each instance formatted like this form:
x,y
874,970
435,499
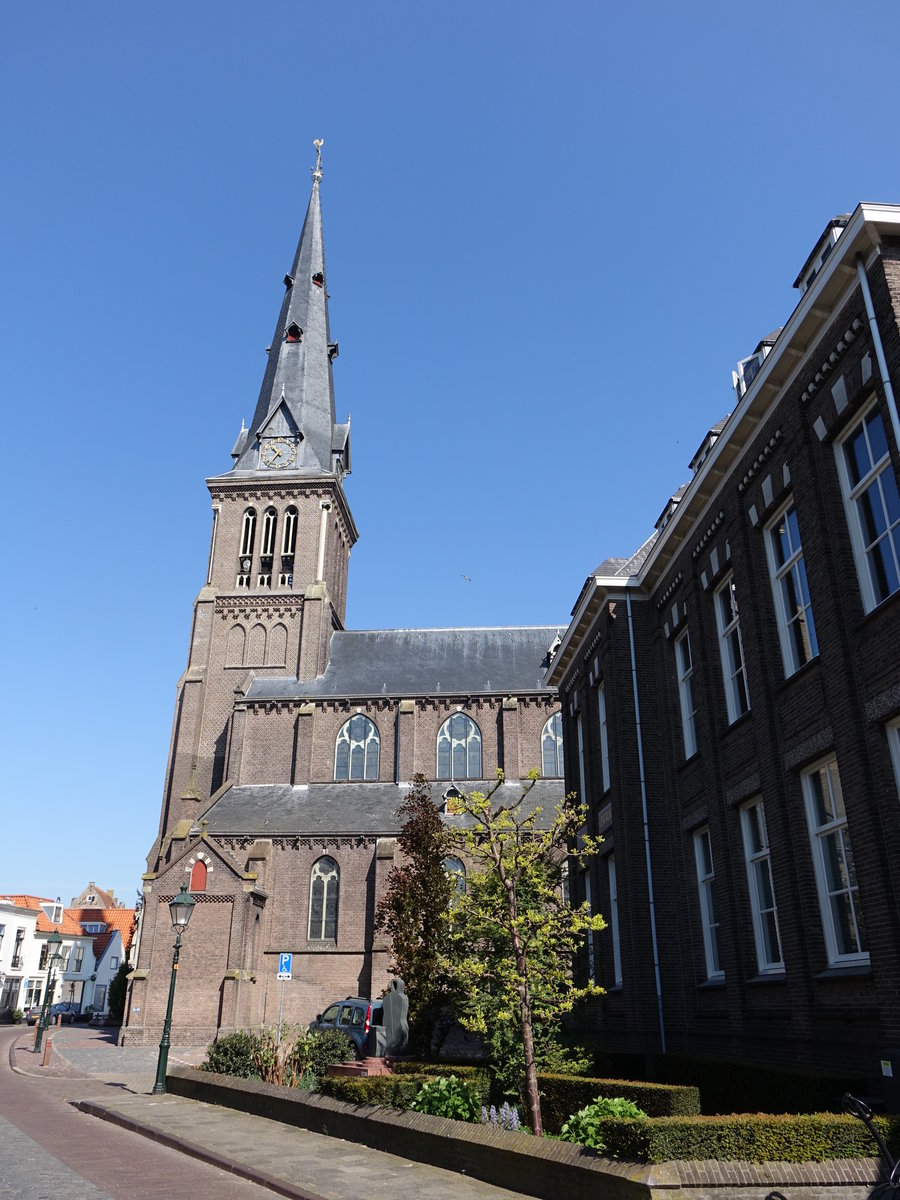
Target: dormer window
x,y
318,279
294,333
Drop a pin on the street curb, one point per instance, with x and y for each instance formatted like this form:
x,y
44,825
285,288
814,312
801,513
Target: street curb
x,y
280,1186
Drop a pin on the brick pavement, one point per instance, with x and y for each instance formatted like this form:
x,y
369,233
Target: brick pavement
x,y
87,1068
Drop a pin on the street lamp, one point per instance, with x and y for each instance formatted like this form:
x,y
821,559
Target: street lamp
x,y
55,941
180,908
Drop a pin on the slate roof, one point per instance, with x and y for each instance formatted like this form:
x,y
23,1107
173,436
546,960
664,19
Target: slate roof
x,y
298,377
416,662
269,810
628,566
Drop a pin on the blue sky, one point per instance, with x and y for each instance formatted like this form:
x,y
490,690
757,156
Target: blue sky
x,y
551,231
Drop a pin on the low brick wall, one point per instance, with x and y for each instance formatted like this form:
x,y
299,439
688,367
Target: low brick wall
x,y
533,1166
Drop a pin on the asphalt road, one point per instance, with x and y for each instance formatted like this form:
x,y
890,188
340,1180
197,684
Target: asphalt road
x,y
50,1151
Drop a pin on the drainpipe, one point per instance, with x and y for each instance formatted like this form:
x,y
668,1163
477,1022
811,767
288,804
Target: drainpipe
x,y
640,746
879,349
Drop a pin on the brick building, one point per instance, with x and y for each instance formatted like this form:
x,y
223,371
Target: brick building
x,y
731,703
294,740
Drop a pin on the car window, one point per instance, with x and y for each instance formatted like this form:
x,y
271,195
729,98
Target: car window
x,y
346,1014
330,1013
377,1014
357,1017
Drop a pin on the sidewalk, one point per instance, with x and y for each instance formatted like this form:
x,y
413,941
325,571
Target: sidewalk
x,y
289,1161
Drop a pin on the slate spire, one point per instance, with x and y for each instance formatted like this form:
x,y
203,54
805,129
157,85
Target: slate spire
x,y
293,428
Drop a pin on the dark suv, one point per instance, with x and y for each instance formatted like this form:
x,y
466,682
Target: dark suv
x,y
354,1016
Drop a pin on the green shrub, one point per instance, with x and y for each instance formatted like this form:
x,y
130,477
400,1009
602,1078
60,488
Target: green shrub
x,y
395,1091
585,1126
315,1052
448,1097
754,1137
233,1055
17,1016
478,1078
562,1095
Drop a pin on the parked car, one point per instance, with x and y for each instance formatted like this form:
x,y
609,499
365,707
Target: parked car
x,y
65,1010
354,1016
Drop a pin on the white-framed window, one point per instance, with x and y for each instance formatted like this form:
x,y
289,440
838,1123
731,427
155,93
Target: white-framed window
x,y
248,531
766,933
592,966
709,912
685,665
552,748
289,531
793,610
873,506
78,959
324,888
114,963
731,649
459,748
579,733
833,861
357,749
270,521
614,918
604,737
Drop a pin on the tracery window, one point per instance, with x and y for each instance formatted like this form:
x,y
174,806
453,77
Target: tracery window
x,y
552,748
324,888
356,751
248,531
270,519
459,748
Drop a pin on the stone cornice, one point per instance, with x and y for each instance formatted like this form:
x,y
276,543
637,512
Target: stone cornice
x,y
263,489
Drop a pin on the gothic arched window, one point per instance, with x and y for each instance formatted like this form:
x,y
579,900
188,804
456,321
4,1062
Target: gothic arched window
x,y
198,877
356,750
456,870
289,531
459,748
270,518
324,886
248,531
552,748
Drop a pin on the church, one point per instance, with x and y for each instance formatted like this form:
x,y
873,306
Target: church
x,y
294,740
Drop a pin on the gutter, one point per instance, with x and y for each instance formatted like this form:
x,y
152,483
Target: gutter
x,y
879,348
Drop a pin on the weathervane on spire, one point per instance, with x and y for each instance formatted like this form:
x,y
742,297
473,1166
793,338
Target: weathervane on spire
x,y
317,169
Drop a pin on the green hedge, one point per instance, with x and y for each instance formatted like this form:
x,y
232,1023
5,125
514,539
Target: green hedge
x,y
563,1095
755,1137
728,1086
395,1091
477,1077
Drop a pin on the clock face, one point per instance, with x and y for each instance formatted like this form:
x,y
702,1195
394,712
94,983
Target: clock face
x,y
278,452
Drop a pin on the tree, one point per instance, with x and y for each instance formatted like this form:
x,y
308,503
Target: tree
x,y
513,935
117,991
413,912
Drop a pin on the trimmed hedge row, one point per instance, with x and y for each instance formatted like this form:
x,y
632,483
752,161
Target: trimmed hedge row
x,y
478,1078
395,1091
730,1086
749,1137
563,1095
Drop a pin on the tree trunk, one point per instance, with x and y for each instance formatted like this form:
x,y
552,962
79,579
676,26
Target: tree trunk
x,y
531,1083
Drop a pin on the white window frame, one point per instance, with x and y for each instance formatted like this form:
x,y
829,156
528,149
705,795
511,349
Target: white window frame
x,y
820,832
614,919
248,533
326,869
686,693
758,860
579,730
269,526
604,737
362,736
853,494
592,966
470,742
706,882
791,574
289,532
734,674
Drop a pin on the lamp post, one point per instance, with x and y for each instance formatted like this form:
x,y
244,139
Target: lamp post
x,y
180,908
55,941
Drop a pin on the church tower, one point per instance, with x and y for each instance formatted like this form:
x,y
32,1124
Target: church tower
x,y
276,582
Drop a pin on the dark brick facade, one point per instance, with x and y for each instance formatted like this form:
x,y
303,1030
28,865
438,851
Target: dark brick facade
x,y
829,998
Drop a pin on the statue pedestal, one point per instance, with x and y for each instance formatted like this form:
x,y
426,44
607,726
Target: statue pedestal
x,y
367,1066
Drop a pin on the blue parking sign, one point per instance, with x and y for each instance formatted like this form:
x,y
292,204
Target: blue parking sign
x,y
284,965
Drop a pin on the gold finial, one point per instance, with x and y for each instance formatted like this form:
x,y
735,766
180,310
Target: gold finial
x,y
317,169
